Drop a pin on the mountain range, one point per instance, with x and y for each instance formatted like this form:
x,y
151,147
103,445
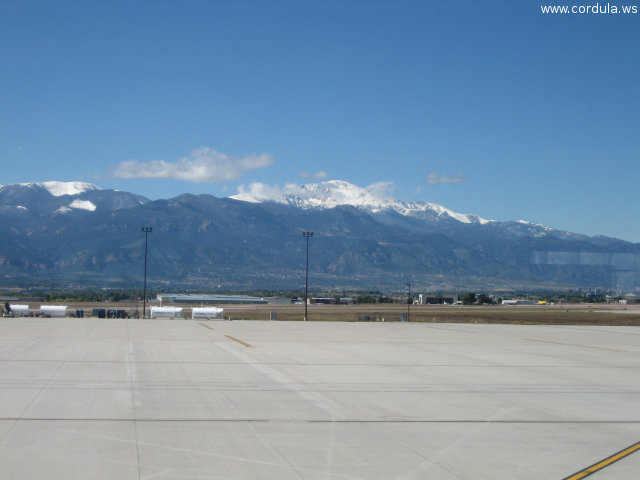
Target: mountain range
x,y
74,234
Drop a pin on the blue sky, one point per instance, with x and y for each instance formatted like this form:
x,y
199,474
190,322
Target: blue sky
x,y
485,107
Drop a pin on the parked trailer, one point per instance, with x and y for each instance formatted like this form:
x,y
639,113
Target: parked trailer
x,y
166,312
13,310
53,310
206,312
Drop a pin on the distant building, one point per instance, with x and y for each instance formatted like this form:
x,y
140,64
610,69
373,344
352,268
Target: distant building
x,y
320,301
330,301
197,298
519,301
424,299
279,300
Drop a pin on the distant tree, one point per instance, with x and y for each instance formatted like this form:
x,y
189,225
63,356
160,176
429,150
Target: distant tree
x,y
469,298
366,299
484,299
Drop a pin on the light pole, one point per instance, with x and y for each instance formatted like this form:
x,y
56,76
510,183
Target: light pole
x,y
408,301
306,235
146,231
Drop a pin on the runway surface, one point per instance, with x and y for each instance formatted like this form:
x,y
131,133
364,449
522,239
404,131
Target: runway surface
x,y
175,399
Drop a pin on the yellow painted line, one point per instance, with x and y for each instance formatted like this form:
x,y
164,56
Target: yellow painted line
x,y
239,341
575,345
206,326
604,463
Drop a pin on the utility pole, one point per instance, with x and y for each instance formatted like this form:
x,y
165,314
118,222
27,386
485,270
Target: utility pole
x,y
146,231
307,235
408,301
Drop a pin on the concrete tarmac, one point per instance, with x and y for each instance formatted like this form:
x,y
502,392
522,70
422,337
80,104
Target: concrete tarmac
x,y
176,399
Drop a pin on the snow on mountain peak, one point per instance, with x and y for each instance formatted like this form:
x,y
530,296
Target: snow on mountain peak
x,y
58,189
329,194
83,205
78,205
538,225
332,193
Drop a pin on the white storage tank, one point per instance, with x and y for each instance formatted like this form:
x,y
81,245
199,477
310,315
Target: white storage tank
x,y
166,312
19,309
54,310
206,312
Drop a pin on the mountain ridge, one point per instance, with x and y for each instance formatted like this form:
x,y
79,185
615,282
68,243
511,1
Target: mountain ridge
x,y
201,241
333,193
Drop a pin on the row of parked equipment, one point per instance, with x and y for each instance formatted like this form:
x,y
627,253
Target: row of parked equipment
x,y
13,310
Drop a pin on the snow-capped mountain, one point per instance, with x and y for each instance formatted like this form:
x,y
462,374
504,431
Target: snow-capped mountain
x,y
334,193
58,189
78,233
377,201
49,198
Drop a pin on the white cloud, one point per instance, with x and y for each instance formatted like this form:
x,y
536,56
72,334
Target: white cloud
x,y
258,192
321,175
261,192
382,190
204,165
434,178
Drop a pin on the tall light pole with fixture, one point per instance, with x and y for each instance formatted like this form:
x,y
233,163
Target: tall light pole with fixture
x,y
146,231
408,301
306,235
